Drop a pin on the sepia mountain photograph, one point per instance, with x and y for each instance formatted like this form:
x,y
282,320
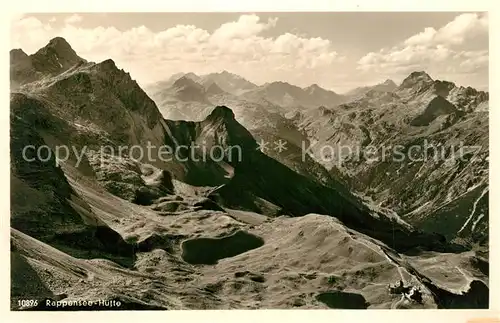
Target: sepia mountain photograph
x,y
267,160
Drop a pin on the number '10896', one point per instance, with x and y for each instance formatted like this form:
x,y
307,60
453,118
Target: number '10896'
x,y
27,302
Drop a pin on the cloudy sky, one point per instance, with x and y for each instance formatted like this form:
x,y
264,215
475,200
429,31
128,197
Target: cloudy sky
x,y
338,51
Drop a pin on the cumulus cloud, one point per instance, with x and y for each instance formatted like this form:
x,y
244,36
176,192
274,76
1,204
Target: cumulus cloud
x,y
443,52
463,27
73,19
456,51
37,33
238,46
246,26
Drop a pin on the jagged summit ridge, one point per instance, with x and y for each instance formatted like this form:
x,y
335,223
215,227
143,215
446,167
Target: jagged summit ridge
x,y
417,78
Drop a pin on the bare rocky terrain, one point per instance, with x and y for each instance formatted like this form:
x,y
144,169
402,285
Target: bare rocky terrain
x,y
268,230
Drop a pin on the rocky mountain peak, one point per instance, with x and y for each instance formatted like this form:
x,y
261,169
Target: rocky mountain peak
x,y
213,88
221,112
187,89
417,80
417,76
420,75
17,54
191,76
109,67
55,57
108,70
281,86
228,82
59,43
443,88
185,82
388,82
108,64
227,74
20,62
313,88
60,47
221,128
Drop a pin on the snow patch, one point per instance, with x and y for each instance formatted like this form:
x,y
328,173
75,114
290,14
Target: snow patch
x,y
473,209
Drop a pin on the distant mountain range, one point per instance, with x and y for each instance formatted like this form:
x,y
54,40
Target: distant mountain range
x,y
269,229
386,86
280,93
